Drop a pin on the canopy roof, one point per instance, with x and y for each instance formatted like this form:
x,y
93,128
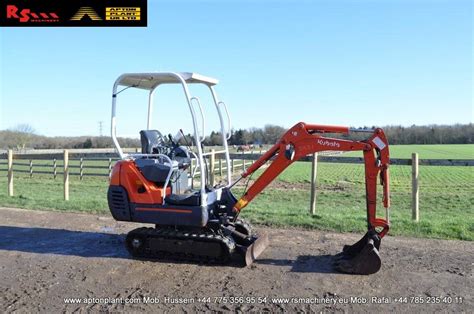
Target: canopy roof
x,y
151,80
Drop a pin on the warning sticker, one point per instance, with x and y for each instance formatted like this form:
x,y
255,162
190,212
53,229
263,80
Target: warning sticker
x,y
379,143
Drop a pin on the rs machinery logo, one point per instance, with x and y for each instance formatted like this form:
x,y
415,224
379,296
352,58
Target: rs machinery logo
x,y
76,13
25,15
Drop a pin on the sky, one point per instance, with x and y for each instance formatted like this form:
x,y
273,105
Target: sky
x,y
340,62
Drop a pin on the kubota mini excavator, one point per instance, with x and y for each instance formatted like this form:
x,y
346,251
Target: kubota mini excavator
x,y
202,223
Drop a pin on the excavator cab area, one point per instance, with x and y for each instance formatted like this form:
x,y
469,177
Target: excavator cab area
x,y
153,186
156,182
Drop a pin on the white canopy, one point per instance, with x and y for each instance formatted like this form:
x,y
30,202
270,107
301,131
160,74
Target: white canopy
x,y
151,80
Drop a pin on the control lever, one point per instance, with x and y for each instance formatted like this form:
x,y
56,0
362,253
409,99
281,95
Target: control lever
x,y
172,141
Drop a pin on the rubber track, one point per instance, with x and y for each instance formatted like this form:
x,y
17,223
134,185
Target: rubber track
x,y
227,244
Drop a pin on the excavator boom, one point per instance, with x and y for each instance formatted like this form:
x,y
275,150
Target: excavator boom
x,y
303,139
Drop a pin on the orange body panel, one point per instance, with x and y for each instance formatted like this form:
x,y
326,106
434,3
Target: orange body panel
x,y
166,210
140,190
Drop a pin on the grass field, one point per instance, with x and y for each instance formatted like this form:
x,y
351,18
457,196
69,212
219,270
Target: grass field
x,y
446,200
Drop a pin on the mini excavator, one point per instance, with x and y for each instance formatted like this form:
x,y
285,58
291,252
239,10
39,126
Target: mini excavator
x,y
202,222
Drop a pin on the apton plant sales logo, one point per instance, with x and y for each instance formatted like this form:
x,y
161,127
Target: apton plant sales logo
x,y
85,13
122,13
75,13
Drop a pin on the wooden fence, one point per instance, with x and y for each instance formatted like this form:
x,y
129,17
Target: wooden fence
x,y
217,166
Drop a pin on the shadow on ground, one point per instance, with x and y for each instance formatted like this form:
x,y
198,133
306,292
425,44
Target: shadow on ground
x,y
305,264
62,242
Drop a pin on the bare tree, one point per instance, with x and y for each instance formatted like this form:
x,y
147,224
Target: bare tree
x,y
23,135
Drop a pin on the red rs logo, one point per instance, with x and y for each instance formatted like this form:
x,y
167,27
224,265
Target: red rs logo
x,y
26,15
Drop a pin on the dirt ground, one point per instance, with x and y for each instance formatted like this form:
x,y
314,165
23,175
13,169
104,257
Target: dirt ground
x,y
46,257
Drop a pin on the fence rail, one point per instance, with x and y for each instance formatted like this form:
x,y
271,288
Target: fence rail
x,y
61,165
248,156
360,160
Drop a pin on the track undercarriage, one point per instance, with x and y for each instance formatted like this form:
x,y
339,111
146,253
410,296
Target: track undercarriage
x,y
220,245
215,244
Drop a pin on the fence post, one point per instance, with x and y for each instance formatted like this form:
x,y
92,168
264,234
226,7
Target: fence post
x,y
110,168
243,162
10,172
415,201
54,168
314,172
81,168
232,166
31,168
212,161
66,175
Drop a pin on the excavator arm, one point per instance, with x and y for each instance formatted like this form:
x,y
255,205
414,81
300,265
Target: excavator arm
x,y
303,139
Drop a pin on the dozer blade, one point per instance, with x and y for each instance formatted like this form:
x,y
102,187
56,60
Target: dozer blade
x,y
252,251
361,258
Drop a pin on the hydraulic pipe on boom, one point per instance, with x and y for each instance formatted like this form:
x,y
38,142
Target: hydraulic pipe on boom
x,y
304,139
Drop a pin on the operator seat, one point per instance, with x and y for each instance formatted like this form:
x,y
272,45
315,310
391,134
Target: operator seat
x,y
151,141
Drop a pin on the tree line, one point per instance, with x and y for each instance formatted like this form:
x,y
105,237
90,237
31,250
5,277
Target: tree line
x,y
24,137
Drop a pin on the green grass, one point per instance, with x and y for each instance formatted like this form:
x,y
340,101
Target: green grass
x,y
432,151
431,177
446,199
40,192
445,151
346,213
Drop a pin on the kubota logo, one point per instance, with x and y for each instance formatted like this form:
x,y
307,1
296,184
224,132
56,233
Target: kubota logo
x,y
328,143
26,15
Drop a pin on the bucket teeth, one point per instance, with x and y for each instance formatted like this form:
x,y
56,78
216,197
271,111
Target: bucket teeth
x,y
361,258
